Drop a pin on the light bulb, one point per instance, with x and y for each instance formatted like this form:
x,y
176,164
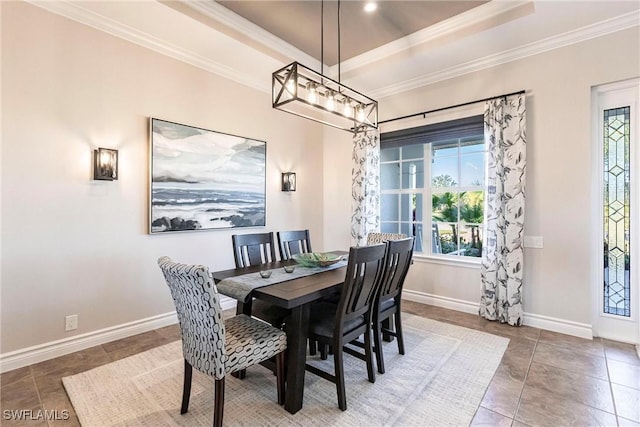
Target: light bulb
x,y
347,111
312,97
370,6
291,86
360,114
331,102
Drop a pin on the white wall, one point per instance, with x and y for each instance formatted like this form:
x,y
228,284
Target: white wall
x,y
71,245
558,85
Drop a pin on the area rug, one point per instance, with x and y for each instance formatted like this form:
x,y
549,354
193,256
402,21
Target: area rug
x,y
439,381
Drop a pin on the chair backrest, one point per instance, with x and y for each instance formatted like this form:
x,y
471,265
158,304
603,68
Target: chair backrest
x,y
396,265
293,242
375,238
200,315
253,249
361,284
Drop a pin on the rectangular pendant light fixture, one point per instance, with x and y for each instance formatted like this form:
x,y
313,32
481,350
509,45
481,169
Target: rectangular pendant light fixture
x,y
299,90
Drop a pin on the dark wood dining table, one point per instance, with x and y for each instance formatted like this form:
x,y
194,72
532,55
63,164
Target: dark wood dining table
x,y
296,295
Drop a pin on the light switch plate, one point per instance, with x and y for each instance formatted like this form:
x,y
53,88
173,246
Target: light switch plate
x,y
533,242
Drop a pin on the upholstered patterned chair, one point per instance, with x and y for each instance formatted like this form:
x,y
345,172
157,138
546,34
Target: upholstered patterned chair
x,y
398,257
376,238
212,345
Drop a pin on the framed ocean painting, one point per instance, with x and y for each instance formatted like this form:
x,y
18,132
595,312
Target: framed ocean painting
x,y
202,179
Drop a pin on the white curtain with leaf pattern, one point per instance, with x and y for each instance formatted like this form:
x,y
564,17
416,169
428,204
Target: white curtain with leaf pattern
x,y
502,256
365,188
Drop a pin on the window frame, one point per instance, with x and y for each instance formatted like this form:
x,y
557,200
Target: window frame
x,y
470,126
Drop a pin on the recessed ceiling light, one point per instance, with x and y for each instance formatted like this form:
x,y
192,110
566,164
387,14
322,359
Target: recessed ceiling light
x,y
370,6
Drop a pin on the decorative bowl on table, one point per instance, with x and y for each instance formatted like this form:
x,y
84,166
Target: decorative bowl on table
x,y
265,274
316,259
289,268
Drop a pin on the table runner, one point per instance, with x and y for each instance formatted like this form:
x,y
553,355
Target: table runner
x,y
240,287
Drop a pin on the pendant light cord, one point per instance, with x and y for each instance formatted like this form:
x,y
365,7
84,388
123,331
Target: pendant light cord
x,y
322,37
338,41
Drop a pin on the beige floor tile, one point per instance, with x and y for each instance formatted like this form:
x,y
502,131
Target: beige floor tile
x,y
621,352
627,402
571,386
15,375
487,418
133,345
72,363
593,347
565,358
508,331
171,332
624,373
518,356
503,393
539,407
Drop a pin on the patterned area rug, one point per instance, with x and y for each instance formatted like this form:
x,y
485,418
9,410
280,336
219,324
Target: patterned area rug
x,y
440,381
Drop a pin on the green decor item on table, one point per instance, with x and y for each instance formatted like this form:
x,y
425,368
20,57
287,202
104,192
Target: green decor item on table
x,y
316,259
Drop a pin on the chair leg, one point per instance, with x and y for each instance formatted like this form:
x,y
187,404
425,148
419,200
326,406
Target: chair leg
x,y
399,334
218,407
280,377
313,345
339,369
323,351
368,355
186,387
377,338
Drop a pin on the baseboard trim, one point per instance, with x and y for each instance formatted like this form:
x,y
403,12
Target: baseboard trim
x,y
39,353
553,324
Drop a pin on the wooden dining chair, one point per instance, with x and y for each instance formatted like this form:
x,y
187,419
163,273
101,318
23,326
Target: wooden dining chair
x,y
256,249
336,325
212,345
293,242
398,255
253,249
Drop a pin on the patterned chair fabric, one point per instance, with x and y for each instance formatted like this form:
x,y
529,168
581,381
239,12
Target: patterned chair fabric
x,y
375,238
210,344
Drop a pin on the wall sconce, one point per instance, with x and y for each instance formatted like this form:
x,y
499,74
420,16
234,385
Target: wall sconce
x,y
105,164
288,181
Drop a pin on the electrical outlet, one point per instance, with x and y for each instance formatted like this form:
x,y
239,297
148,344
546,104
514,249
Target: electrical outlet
x,y
71,322
533,242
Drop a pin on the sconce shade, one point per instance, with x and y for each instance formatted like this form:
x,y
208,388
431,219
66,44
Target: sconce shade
x,y
299,90
289,181
105,164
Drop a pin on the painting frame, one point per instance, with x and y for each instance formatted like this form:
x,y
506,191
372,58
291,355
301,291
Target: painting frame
x,y
201,179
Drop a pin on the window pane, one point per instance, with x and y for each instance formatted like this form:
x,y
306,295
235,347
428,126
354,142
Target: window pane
x,y
413,151
447,235
411,207
389,154
444,172
389,207
444,207
417,246
472,169
390,176
472,207
472,145
470,240
448,148
389,227
413,174
617,285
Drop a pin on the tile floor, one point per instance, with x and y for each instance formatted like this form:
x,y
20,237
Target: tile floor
x,y
545,378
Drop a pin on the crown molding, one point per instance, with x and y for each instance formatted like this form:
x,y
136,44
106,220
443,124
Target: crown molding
x,y
589,32
76,12
80,14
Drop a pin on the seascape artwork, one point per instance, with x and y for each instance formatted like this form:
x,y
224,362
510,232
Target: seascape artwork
x,y
201,179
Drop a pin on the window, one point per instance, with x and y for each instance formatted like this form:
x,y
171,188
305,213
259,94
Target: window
x,y
432,178
616,139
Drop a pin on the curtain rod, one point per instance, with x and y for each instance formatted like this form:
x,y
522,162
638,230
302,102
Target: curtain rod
x,y
424,113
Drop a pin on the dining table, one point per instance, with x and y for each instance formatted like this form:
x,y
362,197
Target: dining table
x,y
296,294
